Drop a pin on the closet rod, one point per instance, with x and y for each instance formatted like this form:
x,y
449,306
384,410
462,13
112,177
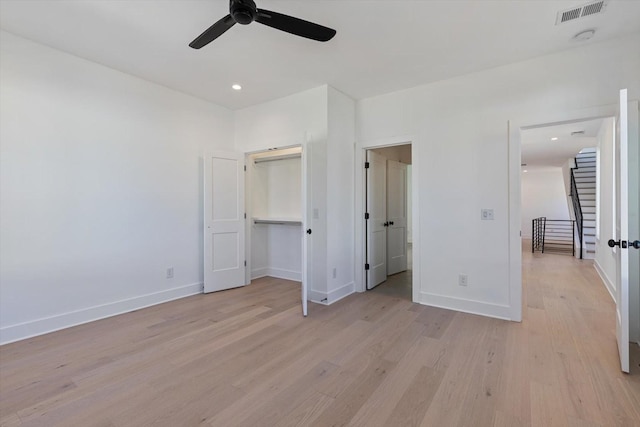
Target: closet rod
x,y
274,158
277,221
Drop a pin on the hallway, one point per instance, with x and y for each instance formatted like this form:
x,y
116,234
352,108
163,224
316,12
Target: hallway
x,y
399,285
573,358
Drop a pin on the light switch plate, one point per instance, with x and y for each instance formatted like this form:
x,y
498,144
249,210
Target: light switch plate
x,y
486,215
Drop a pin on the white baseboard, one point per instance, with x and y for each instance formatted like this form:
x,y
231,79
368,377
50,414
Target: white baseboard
x,y
45,325
328,298
278,273
259,272
605,279
281,273
466,306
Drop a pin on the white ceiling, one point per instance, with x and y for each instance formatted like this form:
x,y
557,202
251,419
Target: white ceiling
x,y
539,151
380,46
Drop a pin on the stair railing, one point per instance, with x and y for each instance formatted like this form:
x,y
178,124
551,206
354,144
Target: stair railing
x,y
553,235
537,234
577,209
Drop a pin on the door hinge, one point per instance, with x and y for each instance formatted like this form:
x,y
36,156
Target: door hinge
x,y
245,262
366,165
245,168
366,215
366,266
245,215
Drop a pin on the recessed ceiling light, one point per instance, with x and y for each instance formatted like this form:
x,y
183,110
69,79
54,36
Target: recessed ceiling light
x,y
584,35
555,138
524,170
236,86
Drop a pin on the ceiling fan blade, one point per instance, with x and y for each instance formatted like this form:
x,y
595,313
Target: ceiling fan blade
x,y
213,32
296,26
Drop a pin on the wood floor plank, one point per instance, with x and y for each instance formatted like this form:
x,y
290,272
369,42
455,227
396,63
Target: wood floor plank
x,y
246,357
415,401
377,409
347,403
307,412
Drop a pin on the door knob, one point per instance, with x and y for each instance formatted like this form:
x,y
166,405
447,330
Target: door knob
x,y
386,224
620,243
308,231
635,244
390,222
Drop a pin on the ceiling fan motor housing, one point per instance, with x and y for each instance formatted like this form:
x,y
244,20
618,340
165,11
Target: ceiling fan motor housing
x,y
243,11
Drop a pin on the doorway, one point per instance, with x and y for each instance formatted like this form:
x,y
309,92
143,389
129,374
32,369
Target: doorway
x,y
276,215
388,220
625,280
256,218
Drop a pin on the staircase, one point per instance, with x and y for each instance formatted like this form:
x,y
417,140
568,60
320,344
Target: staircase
x,y
584,175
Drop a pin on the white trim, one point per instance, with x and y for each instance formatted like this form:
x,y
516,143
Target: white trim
x,y
605,280
278,273
259,273
514,216
45,325
497,311
333,296
281,273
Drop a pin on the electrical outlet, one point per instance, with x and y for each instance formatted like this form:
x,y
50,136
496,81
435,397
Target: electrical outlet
x,y
486,214
335,273
463,280
170,273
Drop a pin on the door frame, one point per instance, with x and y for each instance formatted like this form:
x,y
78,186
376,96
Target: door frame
x,y
360,209
515,127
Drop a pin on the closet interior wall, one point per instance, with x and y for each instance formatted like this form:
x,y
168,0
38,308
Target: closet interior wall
x,y
274,192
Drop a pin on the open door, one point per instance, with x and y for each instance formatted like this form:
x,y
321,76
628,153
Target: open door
x,y
224,221
376,219
306,224
397,217
627,231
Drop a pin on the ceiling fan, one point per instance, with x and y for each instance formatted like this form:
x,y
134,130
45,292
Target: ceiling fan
x,y
245,12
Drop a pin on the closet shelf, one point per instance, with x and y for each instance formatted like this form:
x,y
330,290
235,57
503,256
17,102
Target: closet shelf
x,y
278,221
280,157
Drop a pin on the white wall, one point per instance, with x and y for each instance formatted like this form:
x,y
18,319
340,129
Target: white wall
x,y
340,196
461,144
100,179
543,194
605,260
287,121
326,119
566,176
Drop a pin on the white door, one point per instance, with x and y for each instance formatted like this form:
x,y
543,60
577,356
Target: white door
x,y
377,219
626,208
307,231
396,217
224,221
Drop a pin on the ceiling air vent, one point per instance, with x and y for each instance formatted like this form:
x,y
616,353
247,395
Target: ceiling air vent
x,y
581,11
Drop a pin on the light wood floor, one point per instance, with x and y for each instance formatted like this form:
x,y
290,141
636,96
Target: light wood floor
x,y
247,357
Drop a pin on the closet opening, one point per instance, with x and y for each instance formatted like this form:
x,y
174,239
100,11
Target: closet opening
x,y
275,217
388,221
